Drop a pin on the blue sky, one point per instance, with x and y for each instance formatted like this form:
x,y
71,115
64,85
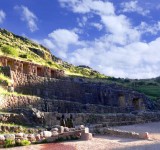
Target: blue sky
x,y
116,37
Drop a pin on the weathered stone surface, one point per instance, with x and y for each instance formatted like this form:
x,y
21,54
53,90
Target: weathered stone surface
x,y
66,129
38,137
54,129
77,96
31,137
144,135
2,140
10,136
54,133
79,127
46,134
86,136
2,137
61,129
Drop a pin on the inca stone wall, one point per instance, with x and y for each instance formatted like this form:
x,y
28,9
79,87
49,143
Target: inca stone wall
x,y
30,68
74,90
10,102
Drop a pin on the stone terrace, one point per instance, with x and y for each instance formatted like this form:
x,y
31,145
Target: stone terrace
x,y
30,68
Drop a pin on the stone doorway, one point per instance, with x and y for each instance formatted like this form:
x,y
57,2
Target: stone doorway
x,y
122,102
25,68
39,71
10,64
136,103
53,73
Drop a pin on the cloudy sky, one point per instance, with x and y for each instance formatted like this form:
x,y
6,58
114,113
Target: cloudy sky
x,y
116,37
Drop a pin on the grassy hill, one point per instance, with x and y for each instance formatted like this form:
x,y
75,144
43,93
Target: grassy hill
x,y
24,49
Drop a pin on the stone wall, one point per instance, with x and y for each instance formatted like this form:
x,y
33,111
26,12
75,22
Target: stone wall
x,y
70,89
30,68
91,114
11,102
58,133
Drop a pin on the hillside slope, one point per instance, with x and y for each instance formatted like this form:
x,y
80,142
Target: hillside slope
x,y
22,48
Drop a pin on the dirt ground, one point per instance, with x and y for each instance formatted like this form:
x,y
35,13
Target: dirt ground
x,y
108,142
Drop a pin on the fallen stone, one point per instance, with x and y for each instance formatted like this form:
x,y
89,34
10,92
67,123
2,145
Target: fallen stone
x,y
46,134
66,129
2,139
61,129
54,133
144,135
86,136
54,129
38,137
10,136
31,137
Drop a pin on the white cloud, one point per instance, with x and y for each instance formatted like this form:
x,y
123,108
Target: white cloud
x,y
2,16
29,17
133,6
86,6
120,28
82,21
146,28
63,40
97,26
118,52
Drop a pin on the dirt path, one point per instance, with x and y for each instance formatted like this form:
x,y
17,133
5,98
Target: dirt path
x,y
152,128
98,143
108,142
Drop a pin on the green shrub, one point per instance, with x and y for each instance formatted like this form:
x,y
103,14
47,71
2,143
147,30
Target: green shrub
x,y
9,143
9,50
23,56
23,143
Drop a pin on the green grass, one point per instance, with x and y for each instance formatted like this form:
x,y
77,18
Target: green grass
x,y
9,50
152,91
5,79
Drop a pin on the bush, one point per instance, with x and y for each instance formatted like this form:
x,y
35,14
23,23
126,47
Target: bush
x,y
23,56
9,143
9,50
23,143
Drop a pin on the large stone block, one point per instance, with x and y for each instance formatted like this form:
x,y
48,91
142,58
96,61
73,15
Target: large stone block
x,y
86,136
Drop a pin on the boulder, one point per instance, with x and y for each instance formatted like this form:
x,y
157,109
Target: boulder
x,y
10,136
38,137
61,129
54,133
46,134
54,129
31,137
80,127
2,139
86,136
66,129
144,135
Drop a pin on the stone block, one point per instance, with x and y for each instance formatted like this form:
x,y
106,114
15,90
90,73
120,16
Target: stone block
x,y
38,137
61,129
9,137
46,134
66,129
79,127
2,140
54,133
144,135
31,137
86,136
54,129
